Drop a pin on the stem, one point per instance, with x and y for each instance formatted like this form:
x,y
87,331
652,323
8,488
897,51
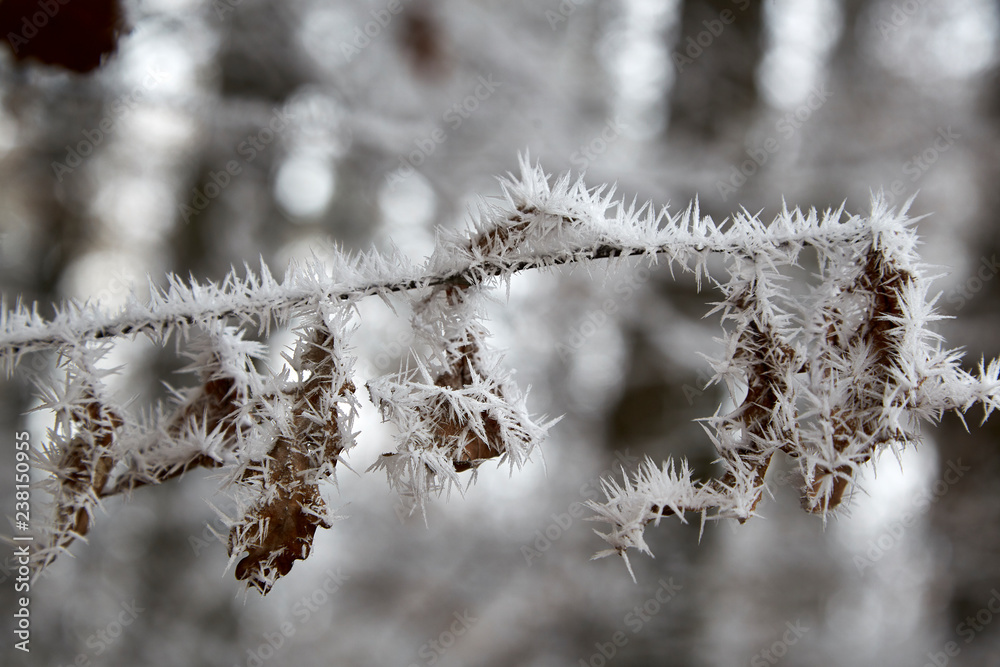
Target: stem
x,y
39,335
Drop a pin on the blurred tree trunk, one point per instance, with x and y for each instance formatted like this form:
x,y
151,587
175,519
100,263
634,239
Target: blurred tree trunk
x,y
964,522
715,56
259,70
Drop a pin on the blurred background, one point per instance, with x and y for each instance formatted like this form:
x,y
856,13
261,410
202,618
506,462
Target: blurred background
x,y
190,136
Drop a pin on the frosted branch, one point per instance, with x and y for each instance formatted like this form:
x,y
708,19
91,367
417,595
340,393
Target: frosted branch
x,y
830,379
